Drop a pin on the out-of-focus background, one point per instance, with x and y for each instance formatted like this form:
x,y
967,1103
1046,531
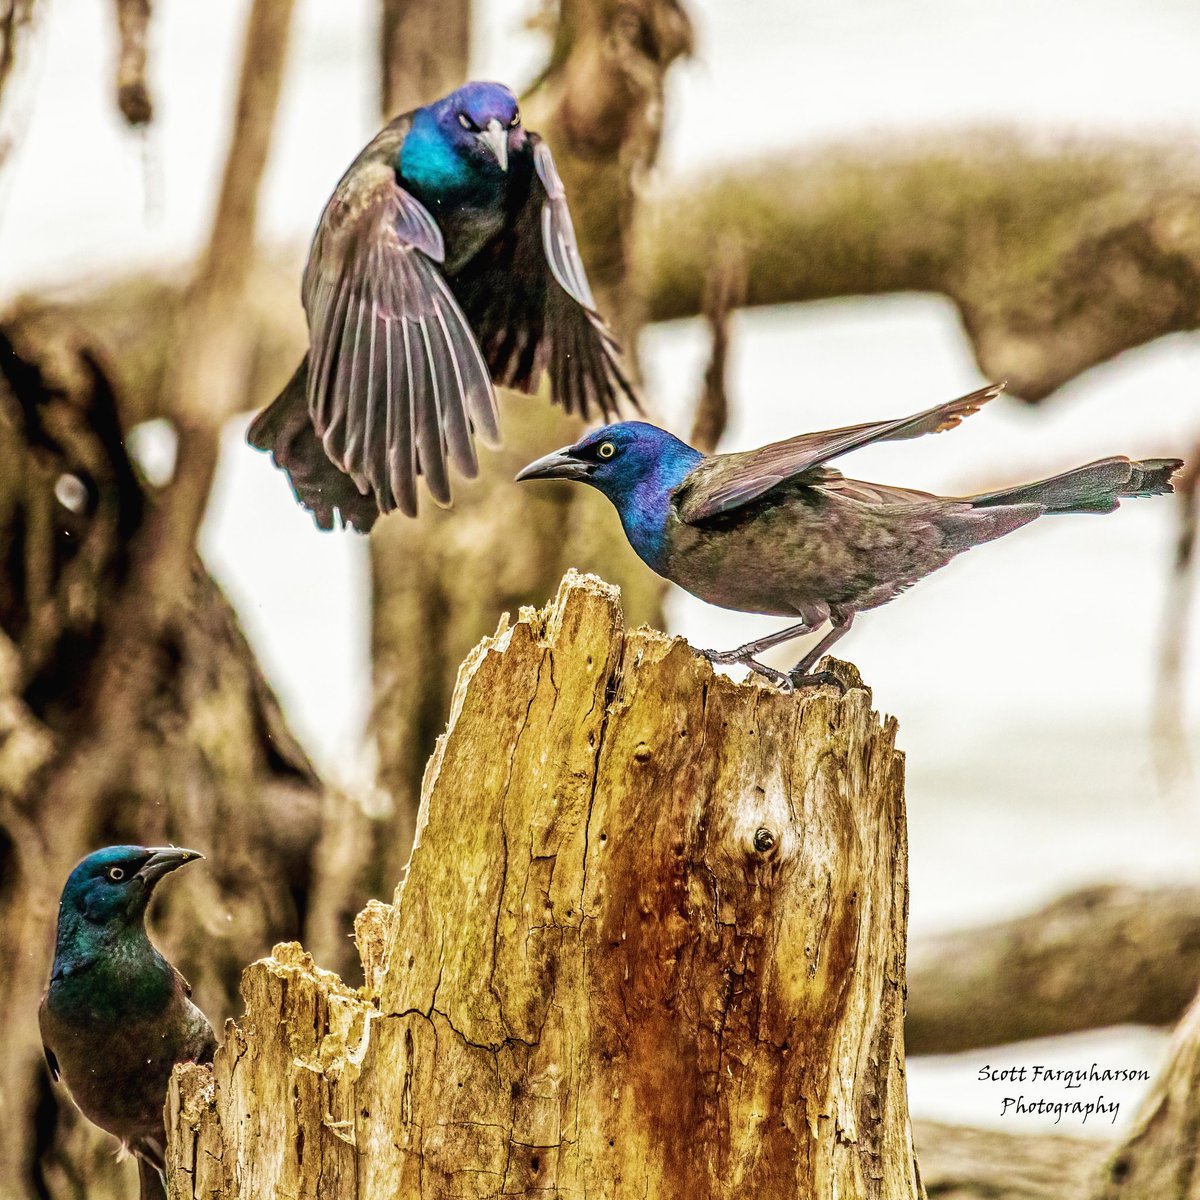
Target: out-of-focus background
x,y
1028,677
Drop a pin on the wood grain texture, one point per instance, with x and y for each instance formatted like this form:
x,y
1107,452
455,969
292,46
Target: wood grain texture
x,y
650,943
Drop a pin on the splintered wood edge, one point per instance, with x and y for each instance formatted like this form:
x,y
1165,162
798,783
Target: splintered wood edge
x,y
546,626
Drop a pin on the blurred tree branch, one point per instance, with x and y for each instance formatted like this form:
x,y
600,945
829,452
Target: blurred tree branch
x,y
203,385
133,93
724,292
15,18
1099,957
205,382
600,104
1060,254
1170,698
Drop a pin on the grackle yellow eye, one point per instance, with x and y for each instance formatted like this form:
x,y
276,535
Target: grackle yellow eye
x,y
607,450
466,122
515,121
116,874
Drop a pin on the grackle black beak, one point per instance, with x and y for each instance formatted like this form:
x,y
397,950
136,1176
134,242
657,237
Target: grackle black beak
x,y
559,465
163,860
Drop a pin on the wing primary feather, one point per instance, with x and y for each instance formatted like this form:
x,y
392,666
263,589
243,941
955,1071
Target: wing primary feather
x,y
481,396
384,405
399,449
324,380
353,404
457,427
429,429
359,472
318,399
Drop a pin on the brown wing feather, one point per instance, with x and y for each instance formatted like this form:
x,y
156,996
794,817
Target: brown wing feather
x,y
728,481
527,297
396,383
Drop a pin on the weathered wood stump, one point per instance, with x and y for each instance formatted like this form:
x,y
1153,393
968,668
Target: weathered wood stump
x,y
650,943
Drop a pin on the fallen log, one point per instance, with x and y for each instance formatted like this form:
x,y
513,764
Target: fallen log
x,y
650,942
959,1163
1103,956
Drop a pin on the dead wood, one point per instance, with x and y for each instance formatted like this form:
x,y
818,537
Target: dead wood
x,y
651,942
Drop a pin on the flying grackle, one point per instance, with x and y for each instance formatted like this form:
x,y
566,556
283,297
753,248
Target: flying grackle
x,y
777,531
116,1016
444,260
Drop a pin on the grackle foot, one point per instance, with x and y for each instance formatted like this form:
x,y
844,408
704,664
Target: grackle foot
x,y
724,658
816,679
779,678
739,658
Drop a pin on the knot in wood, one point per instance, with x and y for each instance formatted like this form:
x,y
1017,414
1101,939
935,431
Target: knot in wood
x,y
642,753
764,840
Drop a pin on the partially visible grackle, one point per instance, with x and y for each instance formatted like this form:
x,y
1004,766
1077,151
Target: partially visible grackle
x,y
117,1016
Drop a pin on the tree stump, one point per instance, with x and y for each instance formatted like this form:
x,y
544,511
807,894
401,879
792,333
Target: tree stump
x,y
650,943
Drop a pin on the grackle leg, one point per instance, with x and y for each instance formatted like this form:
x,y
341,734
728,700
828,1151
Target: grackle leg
x,y
801,675
744,655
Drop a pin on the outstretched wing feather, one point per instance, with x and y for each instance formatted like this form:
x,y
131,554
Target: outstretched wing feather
x,y
396,382
728,481
528,298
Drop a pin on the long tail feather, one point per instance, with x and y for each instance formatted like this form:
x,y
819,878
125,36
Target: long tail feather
x,y
1097,487
284,430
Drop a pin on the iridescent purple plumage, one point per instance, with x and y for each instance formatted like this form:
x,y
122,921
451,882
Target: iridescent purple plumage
x,y
444,262
778,531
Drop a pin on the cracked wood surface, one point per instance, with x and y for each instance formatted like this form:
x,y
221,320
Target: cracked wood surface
x,y
650,943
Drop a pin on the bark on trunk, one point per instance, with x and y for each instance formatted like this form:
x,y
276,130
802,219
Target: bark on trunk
x,y
651,942
1103,956
1160,1160
205,758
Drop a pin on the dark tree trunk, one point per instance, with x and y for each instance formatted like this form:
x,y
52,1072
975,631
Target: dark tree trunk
x,y
201,755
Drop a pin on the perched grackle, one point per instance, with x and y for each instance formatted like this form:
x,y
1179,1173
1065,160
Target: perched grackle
x,y
445,260
777,531
117,1017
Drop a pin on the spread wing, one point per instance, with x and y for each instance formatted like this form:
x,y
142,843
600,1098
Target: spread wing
x,y
396,384
527,297
728,481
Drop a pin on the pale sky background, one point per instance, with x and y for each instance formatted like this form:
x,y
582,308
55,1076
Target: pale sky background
x,y
1021,674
